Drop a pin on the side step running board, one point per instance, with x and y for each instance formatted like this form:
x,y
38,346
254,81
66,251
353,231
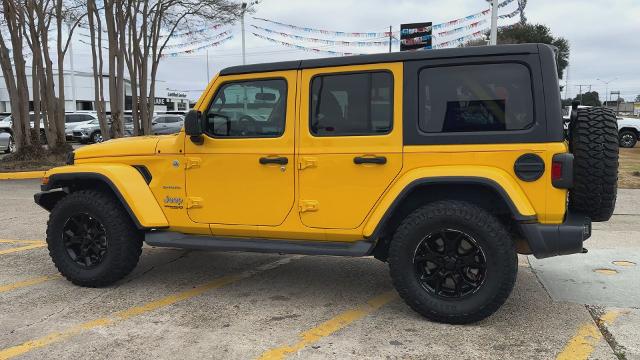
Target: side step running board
x,y
184,241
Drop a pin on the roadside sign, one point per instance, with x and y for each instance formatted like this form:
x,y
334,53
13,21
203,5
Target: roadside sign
x,y
416,36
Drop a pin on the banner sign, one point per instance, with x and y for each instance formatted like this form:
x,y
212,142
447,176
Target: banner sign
x,y
415,36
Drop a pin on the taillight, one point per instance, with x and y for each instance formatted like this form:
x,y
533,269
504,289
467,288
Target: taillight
x,y
562,171
556,171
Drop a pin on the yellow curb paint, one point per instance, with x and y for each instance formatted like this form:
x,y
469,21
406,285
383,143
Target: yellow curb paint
x,y
330,326
22,248
28,282
21,175
58,336
583,343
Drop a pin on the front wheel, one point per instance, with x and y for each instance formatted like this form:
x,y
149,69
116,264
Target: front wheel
x,y
453,262
11,146
92,240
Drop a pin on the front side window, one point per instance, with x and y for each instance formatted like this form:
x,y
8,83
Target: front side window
x,y
351,104
255,108
475,98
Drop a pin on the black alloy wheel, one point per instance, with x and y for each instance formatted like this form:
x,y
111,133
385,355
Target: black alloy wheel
x,y
85,240
450,264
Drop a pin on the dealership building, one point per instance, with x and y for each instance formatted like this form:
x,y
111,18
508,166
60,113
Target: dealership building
x,y
79,94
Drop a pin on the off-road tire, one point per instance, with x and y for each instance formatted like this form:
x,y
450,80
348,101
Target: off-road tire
x,y
124,240
492,238
594,144
629,134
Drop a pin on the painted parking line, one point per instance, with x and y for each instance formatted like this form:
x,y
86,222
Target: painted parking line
x,y
583,343
62,335
330,326
21,175
27,245
28,282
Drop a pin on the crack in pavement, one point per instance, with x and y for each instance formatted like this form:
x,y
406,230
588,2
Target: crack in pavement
x,y
596,313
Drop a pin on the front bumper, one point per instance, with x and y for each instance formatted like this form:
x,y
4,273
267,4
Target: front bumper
x,y
561,239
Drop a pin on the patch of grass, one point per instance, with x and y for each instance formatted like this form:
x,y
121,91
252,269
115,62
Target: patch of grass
x,y
32,159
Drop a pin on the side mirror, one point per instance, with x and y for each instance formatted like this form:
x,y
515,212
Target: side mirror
x,y
194,126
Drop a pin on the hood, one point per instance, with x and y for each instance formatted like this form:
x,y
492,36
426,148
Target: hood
x,y
629,122
131,146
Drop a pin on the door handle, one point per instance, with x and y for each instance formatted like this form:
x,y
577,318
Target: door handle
x,y
380,160
280,160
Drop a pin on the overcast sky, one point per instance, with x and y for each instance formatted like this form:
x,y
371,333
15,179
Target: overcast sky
x,y
604,36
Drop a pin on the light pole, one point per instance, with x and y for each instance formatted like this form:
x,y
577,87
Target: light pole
x,y
606,92
493,40
244,8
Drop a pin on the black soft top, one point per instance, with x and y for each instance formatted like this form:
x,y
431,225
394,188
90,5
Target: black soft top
x,y
385,57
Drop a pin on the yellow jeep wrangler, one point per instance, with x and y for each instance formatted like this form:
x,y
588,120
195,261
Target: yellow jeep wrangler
x,y
443,163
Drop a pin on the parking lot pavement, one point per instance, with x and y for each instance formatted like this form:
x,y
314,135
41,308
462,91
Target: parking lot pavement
x,y
189,304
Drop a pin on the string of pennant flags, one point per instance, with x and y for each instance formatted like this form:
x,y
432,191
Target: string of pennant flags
x,y
462,28
202,47
199,41
303,48
367,43
289,39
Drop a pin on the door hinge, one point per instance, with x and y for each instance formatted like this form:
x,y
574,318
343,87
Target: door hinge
x,y
194,202
192,163
307,162
309,205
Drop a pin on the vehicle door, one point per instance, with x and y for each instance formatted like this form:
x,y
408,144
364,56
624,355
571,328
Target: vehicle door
x,y
243,172
350,146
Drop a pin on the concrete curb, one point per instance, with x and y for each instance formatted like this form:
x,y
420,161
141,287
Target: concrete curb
x,y
22,175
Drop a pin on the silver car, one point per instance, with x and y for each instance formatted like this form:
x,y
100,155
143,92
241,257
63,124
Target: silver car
x,y
6,143
167,124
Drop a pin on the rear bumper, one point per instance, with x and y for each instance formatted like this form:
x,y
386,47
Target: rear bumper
x,y
561,239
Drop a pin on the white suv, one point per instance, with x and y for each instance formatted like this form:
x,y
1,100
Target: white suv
x,y
628,131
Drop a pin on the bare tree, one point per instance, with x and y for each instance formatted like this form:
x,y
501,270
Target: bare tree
x,y
155,24
16,81
95,30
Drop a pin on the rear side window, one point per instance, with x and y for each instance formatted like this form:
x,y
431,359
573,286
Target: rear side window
x,y
351,104
475,98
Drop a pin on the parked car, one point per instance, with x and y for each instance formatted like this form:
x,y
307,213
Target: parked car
x,y
6,123
446,182
628,131
6,143
91,133
72,120
167,124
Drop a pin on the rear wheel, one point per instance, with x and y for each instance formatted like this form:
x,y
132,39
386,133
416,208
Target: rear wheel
x,y
453,262
594,144
628,139
91,239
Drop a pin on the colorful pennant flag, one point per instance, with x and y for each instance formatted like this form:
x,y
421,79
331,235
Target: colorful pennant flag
x,y
303,48
325,41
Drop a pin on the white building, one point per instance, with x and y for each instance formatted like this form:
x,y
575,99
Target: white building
x,y
79,94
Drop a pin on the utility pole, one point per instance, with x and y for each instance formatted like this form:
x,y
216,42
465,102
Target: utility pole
x,y
580,87
493,40
244,8
390,36
208,78
606,92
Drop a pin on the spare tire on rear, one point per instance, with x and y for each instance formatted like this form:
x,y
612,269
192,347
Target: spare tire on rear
x,y
593,140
